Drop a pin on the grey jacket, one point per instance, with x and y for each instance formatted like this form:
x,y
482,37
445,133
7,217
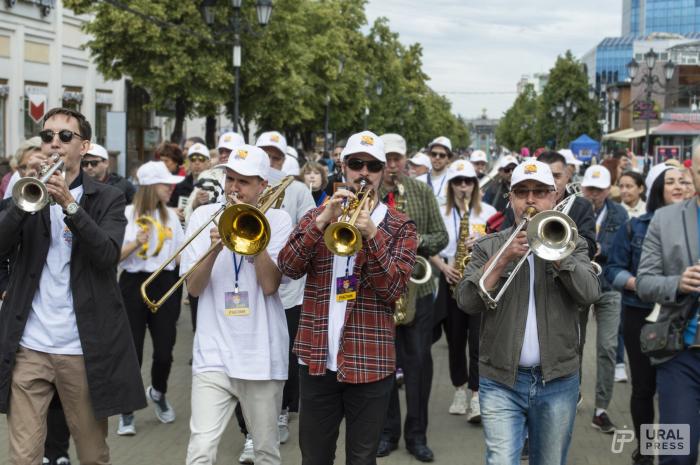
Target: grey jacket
x,y
670,246
559,294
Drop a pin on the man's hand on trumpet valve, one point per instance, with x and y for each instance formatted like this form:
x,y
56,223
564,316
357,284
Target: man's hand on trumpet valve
x,y
365,224
334,207
58,189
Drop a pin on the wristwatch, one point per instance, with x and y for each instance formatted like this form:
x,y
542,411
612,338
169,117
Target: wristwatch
x,y
71,209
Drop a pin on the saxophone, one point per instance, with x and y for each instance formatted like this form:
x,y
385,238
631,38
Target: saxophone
x,y
405,306
463,254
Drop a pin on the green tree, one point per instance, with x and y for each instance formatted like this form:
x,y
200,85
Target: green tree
x,y
518,127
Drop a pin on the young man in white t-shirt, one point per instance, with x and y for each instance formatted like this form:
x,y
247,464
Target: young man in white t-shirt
x,y
440,152
240,351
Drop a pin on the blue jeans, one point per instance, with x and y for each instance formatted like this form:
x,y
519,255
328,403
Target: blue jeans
x,y
678,386
546,411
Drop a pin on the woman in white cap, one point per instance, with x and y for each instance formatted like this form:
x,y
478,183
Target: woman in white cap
x,y
621,271
155,188
463,198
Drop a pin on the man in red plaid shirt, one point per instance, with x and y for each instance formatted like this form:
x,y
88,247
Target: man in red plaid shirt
x,y
345,341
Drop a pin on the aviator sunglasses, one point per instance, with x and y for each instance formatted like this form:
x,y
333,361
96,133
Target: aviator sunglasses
x,y
92,163
64,135
373,166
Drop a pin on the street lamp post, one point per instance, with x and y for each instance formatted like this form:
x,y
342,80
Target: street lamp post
x,y
604,101
648,80
378,89
565,111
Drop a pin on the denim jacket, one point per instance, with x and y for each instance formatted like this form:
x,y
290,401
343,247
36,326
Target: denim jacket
x,y
623,260
615,217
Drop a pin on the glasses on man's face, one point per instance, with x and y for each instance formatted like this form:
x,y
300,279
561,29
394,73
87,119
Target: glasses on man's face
x,y
64,135
91,163
373,166
438,155
461,180
538,192
198,158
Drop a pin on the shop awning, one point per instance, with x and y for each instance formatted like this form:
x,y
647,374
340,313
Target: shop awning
x,y
620,136
677,128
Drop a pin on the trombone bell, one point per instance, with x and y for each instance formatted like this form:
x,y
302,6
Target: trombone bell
x,y
244,229
552,235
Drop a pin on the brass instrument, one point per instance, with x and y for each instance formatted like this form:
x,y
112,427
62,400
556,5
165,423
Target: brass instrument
x,y
243,228
405,306
30,194
163,233
343,238
551,235
463,254
487,179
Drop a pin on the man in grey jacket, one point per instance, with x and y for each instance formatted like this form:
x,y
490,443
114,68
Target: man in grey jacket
x,y
529,359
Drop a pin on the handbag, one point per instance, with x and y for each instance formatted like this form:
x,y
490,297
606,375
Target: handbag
x,y
663,339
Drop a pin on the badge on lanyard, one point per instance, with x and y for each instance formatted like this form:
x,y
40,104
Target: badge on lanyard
x,y
236,303
346,288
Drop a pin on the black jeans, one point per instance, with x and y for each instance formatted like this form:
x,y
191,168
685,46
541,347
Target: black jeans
x,y
413,344
643,374
57,432
325,402
161,325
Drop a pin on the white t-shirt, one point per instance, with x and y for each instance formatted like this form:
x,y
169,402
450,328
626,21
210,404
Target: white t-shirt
x,y
530,353
477,226
134,264
336,310
51,326
253,346
438,184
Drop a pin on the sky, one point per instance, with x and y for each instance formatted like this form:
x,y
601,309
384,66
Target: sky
x,y
471,48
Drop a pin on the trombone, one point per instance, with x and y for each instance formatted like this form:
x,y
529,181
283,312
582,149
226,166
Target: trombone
x,y
243,228
343,238
30,194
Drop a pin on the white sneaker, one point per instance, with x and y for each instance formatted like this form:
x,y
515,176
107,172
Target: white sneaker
x,y
164,411
459,402
45,461
474,409
620,373
62,461
283,426
248,453
127,426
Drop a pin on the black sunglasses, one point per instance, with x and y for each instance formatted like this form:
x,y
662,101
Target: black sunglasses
x,y
439,155
86,163
64,135
462,180
373,166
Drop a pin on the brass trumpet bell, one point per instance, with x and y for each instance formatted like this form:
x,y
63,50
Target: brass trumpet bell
x,y
244,229
343,239
552,235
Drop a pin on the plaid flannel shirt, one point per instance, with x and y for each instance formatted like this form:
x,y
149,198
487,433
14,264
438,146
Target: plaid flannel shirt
x,y
423,209
383,267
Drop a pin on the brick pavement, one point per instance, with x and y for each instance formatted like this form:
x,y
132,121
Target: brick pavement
x,y
452,439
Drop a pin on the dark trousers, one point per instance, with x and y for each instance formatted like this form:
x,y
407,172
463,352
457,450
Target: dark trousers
x,y
643,374
194,302
461,329
413,343
57,432
325,402
678,384
161,324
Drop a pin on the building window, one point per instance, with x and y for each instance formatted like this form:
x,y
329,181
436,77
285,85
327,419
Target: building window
x,y
100,126
72,98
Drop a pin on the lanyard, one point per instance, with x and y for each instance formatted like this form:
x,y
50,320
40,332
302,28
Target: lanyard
x,y
430,183
237,268
321,198
347,267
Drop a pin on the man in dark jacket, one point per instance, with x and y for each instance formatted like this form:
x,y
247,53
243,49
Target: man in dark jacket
x,y
95,164
609,216
63,326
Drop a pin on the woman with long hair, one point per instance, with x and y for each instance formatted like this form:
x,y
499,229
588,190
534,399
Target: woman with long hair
x,y
621,271
463,198
162,229
315,176
632,197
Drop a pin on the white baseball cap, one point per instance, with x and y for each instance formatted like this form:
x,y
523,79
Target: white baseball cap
x,y
198,149
421,159
248,160
507,160
596,176
654,172
442,140
532,170
570,158
272,139
98,151
230,140
394,143
365,142
477,156
460,169
155,172
290,166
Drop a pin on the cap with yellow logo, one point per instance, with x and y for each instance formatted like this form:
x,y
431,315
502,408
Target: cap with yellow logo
x,y
248,160
532,171
596,176
365,142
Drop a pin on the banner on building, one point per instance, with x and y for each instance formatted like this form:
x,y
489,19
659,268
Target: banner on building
x,y
37,107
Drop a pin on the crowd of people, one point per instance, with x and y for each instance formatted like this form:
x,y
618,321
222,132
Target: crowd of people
x,y
331,323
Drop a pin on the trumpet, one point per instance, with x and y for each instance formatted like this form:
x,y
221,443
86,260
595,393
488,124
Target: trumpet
x,y
243,228
30,194
343,238
163,233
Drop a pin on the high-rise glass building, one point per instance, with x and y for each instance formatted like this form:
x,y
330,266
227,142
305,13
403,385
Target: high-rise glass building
x,y
642,17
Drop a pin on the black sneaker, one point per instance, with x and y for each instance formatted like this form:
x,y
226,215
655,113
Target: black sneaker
x,y
639,459
603,423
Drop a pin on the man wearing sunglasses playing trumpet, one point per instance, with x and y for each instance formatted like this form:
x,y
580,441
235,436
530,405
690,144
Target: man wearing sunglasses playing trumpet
x,y
345,341
529,360
64,327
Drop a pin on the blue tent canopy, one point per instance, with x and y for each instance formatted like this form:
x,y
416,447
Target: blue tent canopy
x,y
584,148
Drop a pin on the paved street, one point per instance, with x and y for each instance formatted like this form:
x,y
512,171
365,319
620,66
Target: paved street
x,y
452,439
